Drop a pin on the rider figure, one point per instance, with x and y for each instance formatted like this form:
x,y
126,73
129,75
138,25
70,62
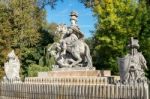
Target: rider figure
x,y
73,34
72,50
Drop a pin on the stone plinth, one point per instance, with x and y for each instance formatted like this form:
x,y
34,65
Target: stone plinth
x,y
68,80
105,73
74,73
74,68
80,75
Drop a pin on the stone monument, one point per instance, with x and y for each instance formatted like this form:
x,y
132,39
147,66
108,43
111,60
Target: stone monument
x,y
71,52
133,64
12,67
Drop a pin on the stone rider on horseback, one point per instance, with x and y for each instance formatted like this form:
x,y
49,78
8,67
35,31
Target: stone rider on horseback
x,y
73,50
73,34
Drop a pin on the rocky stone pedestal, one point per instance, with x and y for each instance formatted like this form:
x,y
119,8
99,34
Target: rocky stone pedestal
x,y
80,75
73,76
75,73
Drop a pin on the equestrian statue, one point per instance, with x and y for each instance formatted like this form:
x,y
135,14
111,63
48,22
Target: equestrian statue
x,y
71,50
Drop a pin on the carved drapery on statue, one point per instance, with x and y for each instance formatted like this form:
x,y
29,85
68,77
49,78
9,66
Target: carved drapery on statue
x,y
71,50
133,64
12,67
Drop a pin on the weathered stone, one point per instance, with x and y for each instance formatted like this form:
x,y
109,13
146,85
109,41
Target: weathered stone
x,y
133,64
105,73
71,73
74,68
12,67
71,51
42,74
79,73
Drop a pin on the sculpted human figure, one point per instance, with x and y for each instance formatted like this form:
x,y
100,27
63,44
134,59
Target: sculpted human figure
x,y
12,67
133,64
69,36
61,59
73,51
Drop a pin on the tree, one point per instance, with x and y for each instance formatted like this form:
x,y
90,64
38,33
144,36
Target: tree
x,y
48,38
24,28
144,37
42,3
118,20
4,34
20,25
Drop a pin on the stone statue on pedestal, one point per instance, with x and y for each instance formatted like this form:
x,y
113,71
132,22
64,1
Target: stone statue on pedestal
x,y
71,51
12,67
133,64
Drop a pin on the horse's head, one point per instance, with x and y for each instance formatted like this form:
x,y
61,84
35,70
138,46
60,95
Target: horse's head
x,y
61,28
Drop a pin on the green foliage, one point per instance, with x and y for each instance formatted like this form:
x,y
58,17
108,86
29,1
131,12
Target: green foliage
x,y
47,60
5,33
118,20
48,38
43,3
23,28
34,69
1,73
52,28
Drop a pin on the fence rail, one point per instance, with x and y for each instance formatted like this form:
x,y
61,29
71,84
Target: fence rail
x,y
19,90
68,80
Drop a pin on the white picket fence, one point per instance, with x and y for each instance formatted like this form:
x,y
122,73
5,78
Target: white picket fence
x,y
21,90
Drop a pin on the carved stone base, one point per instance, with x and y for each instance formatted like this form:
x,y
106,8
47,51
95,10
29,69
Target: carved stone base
x,y
73,68
75,73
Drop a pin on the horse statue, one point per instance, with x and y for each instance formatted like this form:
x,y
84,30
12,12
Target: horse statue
x,y
71,50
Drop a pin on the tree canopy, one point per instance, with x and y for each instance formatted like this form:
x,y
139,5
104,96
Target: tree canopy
x,y
23,28
118,20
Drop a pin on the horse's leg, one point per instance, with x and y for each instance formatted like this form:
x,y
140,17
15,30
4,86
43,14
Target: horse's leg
x,y
70,61
78,57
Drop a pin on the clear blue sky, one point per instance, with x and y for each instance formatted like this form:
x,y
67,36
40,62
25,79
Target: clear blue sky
x,y
62,11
